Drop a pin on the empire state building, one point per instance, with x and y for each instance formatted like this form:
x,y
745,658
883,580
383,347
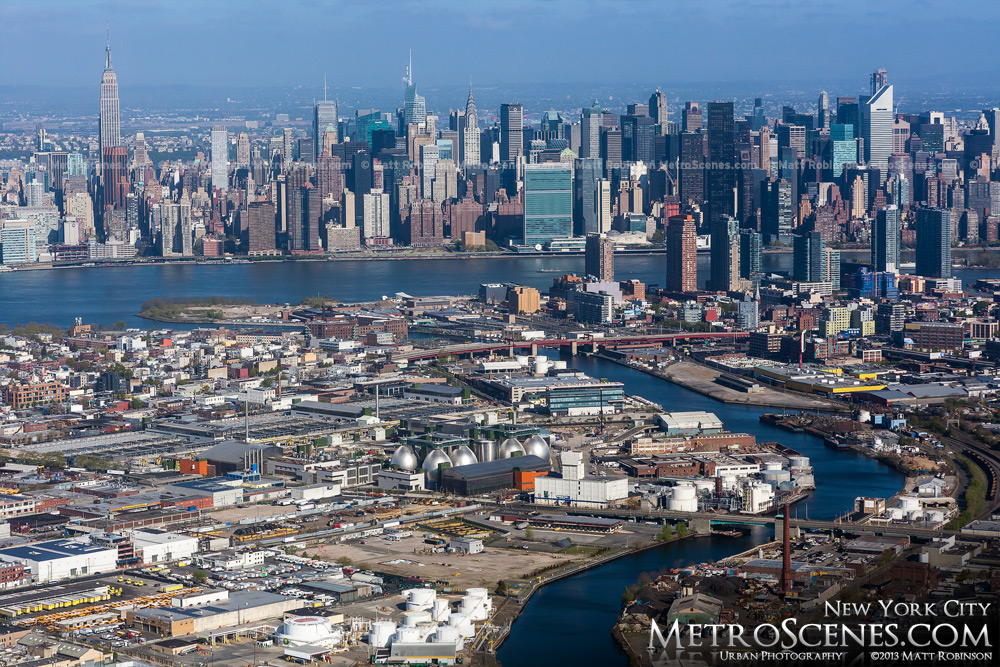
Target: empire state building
x,y
110,115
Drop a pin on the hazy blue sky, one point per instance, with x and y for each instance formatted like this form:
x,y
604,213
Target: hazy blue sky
x,y
258,42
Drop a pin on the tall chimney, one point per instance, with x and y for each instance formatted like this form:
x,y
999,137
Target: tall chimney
x,y
786,554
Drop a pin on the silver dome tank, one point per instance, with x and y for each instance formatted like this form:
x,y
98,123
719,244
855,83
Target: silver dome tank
x,y
463,456
404,458
510,447
536,446
434,460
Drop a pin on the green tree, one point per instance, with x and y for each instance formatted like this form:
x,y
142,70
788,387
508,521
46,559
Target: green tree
x,y
120,325
344,561
666,533
682,529
199,576
136,403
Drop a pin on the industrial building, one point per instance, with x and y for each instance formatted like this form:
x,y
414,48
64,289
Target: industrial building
x,y
210,610
574,487
159,546
61,559
689,423
479,478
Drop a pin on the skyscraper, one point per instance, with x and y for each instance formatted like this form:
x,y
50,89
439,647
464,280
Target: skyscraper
x,y
682,254
877,129
324,120
720,194
823,110
934,243
220,158
691,120
511,132
242,150
260,228
600,257
751,254
470,133
414,105
590,131
692,168
586,175
658,110
110,122
885,240
809,261
721,175
548,202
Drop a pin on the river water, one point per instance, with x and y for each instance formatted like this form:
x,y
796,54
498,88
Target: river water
x,y
570,621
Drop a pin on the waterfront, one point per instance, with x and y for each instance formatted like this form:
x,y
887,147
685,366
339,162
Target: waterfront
x,y
107,294
570,621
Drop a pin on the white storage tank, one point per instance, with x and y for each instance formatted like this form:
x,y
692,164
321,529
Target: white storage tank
x,y
909,503
935,516
406,635
683,492
381,633
448,635
419,599
798,461
412,618
704,484
895,513
440,611
772,465
775,476
536,446
541,367
523,359
559,365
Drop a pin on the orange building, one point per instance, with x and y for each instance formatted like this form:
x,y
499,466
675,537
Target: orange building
x,y
195,467
524,480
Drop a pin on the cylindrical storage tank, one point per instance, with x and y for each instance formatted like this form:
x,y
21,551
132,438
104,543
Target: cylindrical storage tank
x,y
542,358
915,515
536,446
381,633
683,493
406,635
728,481
704,484
473,608
541,367
895,513
798,461
509,448
909,503
463,456
772,465
935,516
427,630
412,618
306,629
523,359
925,557
775,476
447,634
478,593
440,610
559,365
486,450
787,486
435,459
685,505
420,599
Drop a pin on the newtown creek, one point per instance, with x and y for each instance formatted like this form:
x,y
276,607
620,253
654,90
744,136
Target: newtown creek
x,y
569,622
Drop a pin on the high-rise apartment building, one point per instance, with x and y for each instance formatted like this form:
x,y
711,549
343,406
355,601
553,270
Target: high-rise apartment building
x,y
682,254
885,240
600,257
220,158
934,243
511,132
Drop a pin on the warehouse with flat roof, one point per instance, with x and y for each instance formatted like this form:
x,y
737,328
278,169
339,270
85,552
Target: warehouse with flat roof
x,y
489,476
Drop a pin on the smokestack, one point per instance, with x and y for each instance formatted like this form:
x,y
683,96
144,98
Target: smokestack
x,y
786,553
718,487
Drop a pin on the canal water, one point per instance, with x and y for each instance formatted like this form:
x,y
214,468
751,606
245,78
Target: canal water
x,y
570,621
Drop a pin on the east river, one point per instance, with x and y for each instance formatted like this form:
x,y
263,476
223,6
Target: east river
x,y
570,621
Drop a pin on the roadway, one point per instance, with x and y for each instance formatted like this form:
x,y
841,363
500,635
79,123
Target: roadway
x,y
609,342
